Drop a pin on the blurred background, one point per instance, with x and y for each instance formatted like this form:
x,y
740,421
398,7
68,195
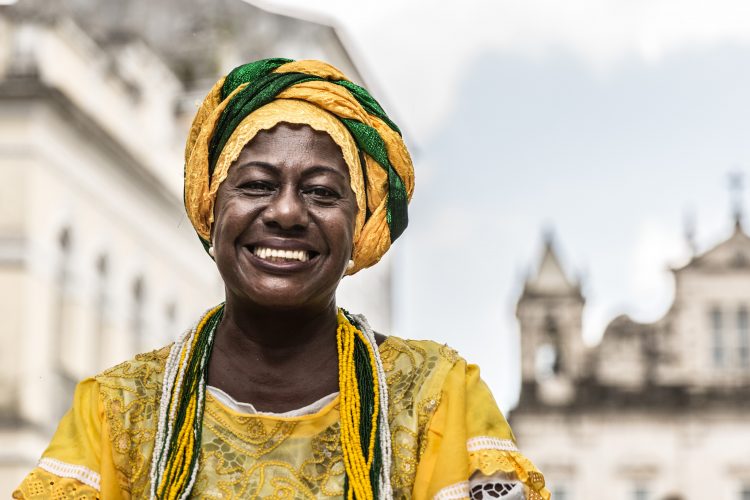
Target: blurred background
x,y
577,227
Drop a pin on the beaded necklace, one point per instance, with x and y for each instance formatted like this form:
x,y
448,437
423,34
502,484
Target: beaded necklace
x,y
363,407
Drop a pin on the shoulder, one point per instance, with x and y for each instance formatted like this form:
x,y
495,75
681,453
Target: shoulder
x,y
140,376
418,352
417,366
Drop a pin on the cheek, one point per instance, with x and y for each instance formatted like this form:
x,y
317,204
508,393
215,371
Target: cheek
x,y
219,209
353,213
231,217
337,228
347,228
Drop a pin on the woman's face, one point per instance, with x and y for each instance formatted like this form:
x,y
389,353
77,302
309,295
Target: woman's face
x,y
284,219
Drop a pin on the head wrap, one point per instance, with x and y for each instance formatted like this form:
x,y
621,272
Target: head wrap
x,y
259,95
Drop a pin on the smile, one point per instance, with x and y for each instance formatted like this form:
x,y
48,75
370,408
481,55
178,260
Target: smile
x,y
277,255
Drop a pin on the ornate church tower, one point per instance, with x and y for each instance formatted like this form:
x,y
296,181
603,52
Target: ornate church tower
x,y
549,313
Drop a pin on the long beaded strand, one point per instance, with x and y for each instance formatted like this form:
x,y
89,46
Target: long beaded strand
x,y
180,415
385,488
173,366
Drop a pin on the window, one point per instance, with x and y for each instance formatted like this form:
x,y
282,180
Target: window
x,y
717,336
560,493
62,340
102,299
546,361
641,493
170,322
170,312
743,341
552,332
137,319
62,285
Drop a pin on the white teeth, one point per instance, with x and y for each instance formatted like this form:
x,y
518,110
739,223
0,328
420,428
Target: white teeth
x,y
272,253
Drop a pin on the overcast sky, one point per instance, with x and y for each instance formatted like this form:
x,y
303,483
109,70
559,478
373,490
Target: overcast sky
x,y
608,122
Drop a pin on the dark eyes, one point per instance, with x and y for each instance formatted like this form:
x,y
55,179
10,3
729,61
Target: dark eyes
x,y
258,187
322,192
318,193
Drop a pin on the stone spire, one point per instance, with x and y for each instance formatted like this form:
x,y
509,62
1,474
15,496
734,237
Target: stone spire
x,y
550,277
550,313
689,229
736,187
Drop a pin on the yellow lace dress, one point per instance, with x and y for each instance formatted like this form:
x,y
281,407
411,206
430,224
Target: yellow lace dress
x,y
450,441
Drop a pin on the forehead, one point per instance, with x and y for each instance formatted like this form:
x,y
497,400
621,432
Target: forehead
x,y
294,144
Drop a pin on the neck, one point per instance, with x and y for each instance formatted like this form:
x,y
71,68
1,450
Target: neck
x,y
277,330
266,356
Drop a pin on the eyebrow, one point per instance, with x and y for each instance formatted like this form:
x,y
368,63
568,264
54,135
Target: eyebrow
x,y
315,169
261,164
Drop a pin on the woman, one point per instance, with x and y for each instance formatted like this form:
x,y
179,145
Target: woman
x,y
294,177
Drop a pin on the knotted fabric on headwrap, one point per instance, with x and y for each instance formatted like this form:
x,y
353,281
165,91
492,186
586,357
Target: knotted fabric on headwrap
x,y
259,95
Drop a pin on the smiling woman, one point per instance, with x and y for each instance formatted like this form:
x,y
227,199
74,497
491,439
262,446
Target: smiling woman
x,y
294,177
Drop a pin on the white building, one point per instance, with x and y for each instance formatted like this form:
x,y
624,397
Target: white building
x,y
656,411
97,258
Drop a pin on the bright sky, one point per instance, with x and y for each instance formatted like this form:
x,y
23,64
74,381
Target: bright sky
x,y
608,121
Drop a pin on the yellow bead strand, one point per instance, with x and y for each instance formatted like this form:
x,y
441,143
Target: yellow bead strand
x,y
357,467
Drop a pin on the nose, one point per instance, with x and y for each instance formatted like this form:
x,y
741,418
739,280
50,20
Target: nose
x,y
287,210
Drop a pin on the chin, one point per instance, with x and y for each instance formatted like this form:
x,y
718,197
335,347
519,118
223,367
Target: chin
x,y
285,295
279,302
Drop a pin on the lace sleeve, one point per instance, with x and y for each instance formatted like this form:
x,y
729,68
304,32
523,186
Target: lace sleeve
x,y
70,466
471,452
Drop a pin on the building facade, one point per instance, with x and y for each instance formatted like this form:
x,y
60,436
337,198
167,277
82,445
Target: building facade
x,y
97,258
657,411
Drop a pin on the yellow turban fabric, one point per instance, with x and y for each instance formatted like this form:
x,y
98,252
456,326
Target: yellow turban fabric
x,y
262,94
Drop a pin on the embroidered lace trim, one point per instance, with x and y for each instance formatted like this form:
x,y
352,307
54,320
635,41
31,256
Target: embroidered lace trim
x,y
490,461
490,443
498,485
43,485
483,487
456,491
79,472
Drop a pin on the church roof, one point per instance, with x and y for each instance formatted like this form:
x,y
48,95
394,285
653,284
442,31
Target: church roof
x,y
550,277
731,254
